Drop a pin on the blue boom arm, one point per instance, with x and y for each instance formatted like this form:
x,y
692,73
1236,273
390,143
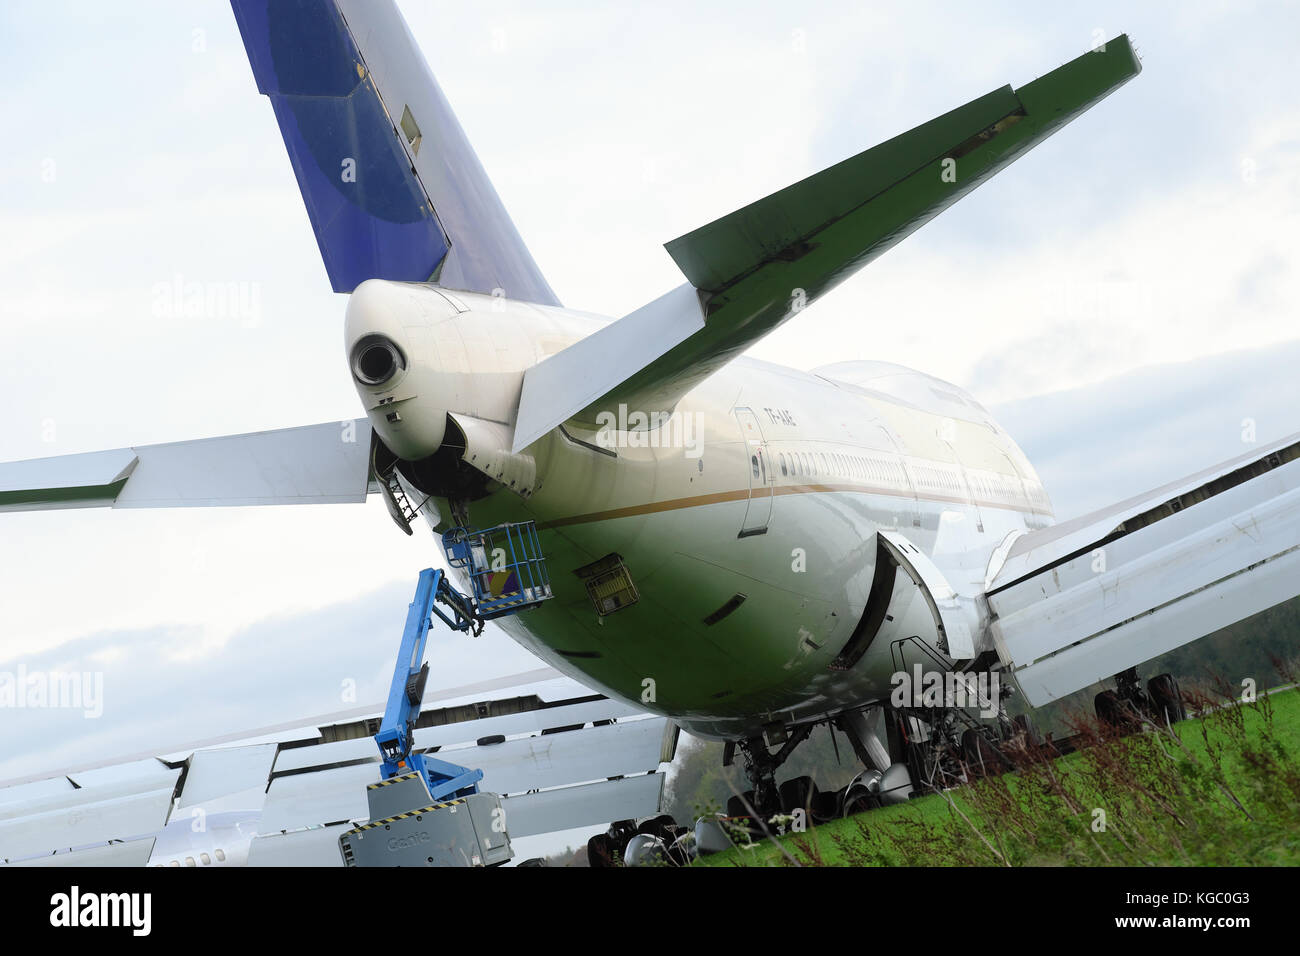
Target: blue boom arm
x,y
396,733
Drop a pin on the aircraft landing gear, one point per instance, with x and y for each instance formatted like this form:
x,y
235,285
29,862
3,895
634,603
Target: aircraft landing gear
x,y
1166,698
761,766
1125,706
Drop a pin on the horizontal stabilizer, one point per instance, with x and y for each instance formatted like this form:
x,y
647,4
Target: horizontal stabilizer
x,y
314,464
1085,600
757,267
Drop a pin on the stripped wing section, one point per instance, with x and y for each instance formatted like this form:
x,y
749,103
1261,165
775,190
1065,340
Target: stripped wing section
x,y
1082,601
284,801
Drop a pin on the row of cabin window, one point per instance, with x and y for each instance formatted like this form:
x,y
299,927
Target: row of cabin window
x,y
818,464
207,860
801,464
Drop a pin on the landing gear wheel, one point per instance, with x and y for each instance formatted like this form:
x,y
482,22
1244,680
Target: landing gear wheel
x,y
662,826
861,803
600,852
1114,711
798,793
1167,699
740,814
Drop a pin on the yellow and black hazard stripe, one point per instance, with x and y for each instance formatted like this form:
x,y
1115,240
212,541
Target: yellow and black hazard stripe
x,y
392,780
403,816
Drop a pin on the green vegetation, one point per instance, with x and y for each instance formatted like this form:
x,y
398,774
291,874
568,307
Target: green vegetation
x,y
1220,789
1245,651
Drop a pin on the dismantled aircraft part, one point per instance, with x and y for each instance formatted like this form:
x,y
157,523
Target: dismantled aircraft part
x,y
1080,601
420,831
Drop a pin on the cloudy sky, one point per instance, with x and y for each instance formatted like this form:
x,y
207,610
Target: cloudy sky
x,y
1125,295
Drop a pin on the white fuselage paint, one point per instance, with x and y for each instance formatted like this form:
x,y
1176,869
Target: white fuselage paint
x,y
840,455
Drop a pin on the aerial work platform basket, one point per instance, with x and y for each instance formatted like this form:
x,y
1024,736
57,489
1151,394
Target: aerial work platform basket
x,y
505,566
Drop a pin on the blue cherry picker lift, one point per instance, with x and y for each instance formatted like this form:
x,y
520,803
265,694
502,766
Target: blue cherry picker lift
x,y
425,811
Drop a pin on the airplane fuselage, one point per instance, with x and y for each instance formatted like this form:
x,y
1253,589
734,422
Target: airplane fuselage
x,y
745,524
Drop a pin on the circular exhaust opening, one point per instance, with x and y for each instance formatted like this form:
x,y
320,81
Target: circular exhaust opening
x,y
376,360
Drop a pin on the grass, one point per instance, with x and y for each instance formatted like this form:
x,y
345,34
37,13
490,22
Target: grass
x,y
1219,789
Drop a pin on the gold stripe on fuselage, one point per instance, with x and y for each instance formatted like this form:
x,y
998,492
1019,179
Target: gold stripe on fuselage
x,y
697,501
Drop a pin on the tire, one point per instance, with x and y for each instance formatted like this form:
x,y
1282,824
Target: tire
x,y
1112,711
736,808
825,806
600,852
1167,699
860,802
663,826
798,793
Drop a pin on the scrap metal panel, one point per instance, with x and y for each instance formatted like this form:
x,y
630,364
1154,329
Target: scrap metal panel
x,y
217,773
1185,571
468,731
85,824
318,846
577,756
131,853
590,804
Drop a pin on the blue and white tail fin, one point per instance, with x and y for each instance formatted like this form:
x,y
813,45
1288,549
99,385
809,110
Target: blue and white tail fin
x,y
392,186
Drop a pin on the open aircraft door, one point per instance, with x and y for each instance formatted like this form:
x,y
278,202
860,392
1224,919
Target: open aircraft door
x,y
951,620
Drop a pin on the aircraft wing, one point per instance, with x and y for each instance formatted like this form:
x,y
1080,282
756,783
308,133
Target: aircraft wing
x,y
1083,600
313,464
755,268
282,795
391,184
